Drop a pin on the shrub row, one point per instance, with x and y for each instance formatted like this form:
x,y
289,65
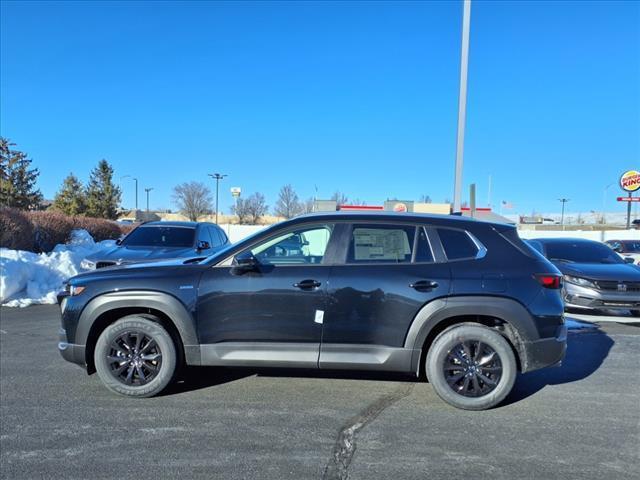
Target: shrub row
x,y
41,231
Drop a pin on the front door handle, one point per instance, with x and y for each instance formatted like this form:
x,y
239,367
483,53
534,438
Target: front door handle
x,y
424,285
307,284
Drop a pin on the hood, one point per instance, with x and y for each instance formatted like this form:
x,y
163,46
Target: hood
x,y
625,272
124,254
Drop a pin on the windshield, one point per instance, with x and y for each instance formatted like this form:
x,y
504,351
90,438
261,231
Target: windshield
x,y
581,252
159,236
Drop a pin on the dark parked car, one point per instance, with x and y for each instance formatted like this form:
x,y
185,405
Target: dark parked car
x,y
626,248
466,302
154,241
595,277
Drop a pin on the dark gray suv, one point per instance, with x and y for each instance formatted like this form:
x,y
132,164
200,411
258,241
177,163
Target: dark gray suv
x,y
155,241
465,302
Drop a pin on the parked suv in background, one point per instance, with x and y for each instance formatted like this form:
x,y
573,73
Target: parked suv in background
x,y
464,301
154,241
595,277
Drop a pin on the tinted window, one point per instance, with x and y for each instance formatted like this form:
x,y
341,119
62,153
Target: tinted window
x,y
631,247
581,252
381,244
160,236
215,237
304,246
223,236
457,244
423,249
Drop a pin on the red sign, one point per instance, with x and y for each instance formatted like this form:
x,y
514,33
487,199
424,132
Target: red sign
x,y
629,199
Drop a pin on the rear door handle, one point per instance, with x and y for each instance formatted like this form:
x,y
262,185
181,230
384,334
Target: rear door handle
x,y
307,284
424,285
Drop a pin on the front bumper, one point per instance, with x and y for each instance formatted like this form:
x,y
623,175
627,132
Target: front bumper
x,y
545,352
576,296
71,352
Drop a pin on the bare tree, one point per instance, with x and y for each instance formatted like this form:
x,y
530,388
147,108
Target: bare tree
x,y
288,204
241,209
425,199
250,209
339,197
193,199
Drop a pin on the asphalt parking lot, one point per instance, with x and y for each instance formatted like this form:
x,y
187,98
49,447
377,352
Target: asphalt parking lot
x,y
581,420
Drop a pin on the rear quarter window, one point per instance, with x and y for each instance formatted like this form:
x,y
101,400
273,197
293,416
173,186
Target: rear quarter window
x,y
457,244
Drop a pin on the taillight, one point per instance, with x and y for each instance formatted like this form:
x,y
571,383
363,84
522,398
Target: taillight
x,y
549,280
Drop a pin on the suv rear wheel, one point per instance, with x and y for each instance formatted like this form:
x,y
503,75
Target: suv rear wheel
x,y
136,357
471,366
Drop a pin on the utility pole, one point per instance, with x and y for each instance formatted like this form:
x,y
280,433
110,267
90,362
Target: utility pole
x,y
217,177
563,201
462,105
604,200
148,190
136,180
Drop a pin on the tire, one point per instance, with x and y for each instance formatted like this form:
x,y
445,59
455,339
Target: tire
x,y
635,313
133,374
495,361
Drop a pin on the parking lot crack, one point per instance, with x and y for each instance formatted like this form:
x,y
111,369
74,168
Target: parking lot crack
x,y
345,445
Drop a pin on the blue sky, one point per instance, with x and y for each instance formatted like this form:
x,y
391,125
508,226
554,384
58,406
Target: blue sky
x,y
359,97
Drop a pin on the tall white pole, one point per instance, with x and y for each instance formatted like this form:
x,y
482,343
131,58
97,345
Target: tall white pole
x,y
462,105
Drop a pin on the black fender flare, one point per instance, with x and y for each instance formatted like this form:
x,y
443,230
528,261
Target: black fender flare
x,y
169,305
523,327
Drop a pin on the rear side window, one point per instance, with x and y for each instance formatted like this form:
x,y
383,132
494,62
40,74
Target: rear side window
x,y
215,237
381,244
457,244
223,236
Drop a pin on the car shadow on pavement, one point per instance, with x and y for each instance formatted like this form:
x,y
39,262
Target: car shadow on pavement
x,y
197,378
586,351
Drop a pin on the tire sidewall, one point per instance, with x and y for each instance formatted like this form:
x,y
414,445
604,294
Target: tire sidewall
x,y
165,343
455,335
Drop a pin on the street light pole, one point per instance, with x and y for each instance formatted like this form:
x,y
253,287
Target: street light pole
x,y
148,190
563,201
136,193
217,177
462,105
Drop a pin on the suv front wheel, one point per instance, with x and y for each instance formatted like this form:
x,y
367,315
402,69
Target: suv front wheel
x,y
136,357
471,366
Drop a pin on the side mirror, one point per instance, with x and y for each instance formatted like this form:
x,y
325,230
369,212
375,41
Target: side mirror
x,y
119,241
246,261
629,260
203,245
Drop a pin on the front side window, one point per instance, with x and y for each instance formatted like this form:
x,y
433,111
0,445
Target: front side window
x,y
304,246
159,236
457,244
381,244
581,252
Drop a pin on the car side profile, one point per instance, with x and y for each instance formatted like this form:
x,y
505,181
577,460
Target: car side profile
x,y
464,302
156,241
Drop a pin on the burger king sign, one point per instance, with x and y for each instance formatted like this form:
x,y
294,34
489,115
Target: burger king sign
x,y
630,181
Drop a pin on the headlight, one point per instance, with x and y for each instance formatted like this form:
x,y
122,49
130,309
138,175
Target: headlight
x,y
88,264
583,282
76,290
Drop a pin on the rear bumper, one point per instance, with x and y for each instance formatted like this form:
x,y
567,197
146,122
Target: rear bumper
x,y
576,296
545,352
71,352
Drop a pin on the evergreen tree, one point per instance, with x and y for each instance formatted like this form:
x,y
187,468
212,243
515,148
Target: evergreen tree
x,y
17,179
70,199
103,196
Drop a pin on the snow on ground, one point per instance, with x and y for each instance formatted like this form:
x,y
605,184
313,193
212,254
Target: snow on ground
x,y
27,278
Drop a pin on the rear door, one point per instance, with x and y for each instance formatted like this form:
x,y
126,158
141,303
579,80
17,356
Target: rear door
x,y
387,272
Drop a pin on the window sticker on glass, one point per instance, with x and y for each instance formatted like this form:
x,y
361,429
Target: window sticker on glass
x,y
381,244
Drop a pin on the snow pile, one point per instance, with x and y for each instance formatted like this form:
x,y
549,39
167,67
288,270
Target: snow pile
x,y
27,278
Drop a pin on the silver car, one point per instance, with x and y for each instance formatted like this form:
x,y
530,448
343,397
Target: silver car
x,y
595,277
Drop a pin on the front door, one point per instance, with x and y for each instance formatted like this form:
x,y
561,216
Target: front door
x,y
272,313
